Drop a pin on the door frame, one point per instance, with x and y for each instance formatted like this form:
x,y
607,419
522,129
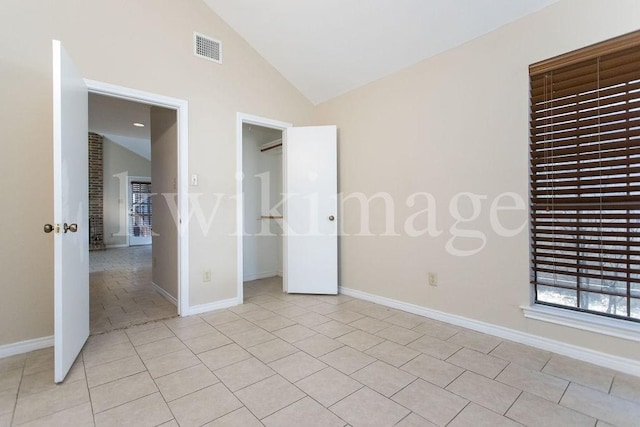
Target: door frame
x,y
130,179
242,118
181,107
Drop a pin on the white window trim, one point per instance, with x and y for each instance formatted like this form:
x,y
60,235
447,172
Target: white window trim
x,y
584,321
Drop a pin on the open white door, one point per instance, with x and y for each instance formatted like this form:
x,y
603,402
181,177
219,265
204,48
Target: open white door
x,y
310,210
70,200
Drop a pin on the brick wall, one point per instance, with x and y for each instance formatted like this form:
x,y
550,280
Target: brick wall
x,y
96,190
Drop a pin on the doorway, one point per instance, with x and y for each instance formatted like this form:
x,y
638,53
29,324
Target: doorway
x,y
126,286
304,209
70,199
134,279
262,185
259,213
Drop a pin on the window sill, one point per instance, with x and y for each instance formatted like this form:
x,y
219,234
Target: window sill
x,y
585,321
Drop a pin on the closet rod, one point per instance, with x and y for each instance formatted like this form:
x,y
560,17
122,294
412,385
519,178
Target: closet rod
x,y
270,217
262,150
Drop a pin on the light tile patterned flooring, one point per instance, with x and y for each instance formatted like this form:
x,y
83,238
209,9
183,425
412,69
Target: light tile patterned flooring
x,y
121,293
299,360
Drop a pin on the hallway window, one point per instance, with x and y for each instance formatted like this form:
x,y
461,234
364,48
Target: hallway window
x,y
141,224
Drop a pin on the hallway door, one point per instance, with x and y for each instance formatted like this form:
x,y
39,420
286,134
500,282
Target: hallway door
x,y
70,212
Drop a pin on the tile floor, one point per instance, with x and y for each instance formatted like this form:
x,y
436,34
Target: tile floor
x,y
299,360
121,293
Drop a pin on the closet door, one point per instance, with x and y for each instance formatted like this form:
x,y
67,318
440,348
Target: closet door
x,y
310,227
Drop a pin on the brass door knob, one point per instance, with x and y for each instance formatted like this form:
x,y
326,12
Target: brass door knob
x,y
48,228
70,227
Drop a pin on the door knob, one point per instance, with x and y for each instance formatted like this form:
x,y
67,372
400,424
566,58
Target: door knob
x,y
48,228
70,227
331,218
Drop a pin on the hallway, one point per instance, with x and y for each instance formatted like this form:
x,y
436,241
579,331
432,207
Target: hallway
x,y
121,293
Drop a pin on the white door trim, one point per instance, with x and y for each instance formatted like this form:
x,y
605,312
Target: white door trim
x,y
242,118
182,111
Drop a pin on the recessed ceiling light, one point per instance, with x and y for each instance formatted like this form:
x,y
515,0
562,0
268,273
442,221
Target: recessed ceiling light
x,y
139,125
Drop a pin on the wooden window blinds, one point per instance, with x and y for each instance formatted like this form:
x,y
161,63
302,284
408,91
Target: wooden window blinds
x,y
585,179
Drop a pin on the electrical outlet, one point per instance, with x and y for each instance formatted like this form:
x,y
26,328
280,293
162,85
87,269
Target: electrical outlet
x,y
433,279
206,276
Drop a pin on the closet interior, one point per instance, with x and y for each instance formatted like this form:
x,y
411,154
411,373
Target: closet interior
x,y
262,187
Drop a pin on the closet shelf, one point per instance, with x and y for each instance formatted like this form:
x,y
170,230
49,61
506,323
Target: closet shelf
x,y
271,145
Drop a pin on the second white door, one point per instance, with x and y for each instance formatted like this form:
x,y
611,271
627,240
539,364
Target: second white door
x,y
310,210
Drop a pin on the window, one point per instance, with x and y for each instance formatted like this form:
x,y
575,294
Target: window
x,y
141,209
585,179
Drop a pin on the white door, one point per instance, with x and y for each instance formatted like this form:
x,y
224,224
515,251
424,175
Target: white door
x,y
310,210
140,211
70,215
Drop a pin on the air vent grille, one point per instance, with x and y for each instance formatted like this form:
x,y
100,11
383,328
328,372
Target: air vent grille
x,y
207,48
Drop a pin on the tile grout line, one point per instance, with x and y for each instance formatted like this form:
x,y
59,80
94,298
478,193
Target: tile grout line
x,y
275,412
310,397
15,403
326,367
129,376
86,378
404,418
469,402
501,371
42,392
611,384
213,373
513,403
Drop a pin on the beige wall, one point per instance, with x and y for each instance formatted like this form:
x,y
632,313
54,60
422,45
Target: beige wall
x,y
116,161
458,123
164,175
151,51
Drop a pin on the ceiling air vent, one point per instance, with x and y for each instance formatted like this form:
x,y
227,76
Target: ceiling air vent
x,y
207,48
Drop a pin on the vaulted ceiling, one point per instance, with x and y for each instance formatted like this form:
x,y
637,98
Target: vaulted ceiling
x,y
114,118
329,47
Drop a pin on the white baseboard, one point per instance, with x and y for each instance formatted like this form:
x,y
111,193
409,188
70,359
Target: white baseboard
x,y
165,294
617,363
258,276
122,245
25,346
218,305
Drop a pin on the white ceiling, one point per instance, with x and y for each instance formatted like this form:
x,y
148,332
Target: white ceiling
x,y
113,118
329,47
